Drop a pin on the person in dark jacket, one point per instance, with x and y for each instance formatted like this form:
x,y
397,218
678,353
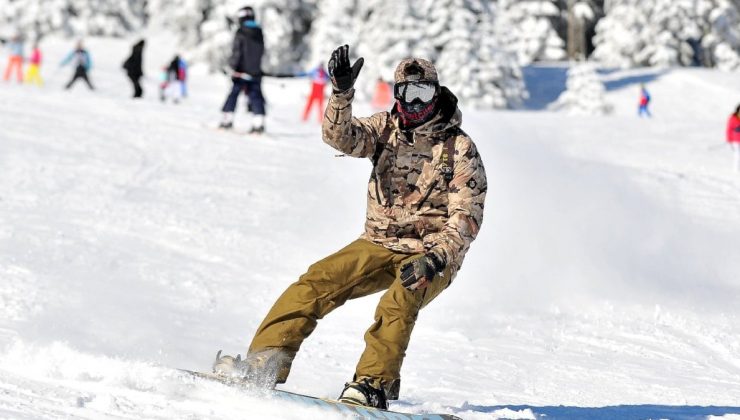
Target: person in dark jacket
x,y
246,64
132,65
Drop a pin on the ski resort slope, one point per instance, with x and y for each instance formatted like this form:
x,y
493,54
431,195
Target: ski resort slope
x,y
134,239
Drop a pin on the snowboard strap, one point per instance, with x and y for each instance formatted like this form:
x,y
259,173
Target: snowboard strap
x,y
385,135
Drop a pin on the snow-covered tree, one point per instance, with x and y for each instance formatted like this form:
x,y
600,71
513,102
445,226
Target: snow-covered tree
x,y
722,34
584,94
36,18
183,17
526,28
388,33
668,33
335,24
470,61
453,34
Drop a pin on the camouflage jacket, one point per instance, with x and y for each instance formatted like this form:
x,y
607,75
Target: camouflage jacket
x,y
411,206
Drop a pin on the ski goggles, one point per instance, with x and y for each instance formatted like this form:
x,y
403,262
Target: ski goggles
x,y
409,91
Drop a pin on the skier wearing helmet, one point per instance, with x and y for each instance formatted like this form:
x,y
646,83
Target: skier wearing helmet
x,y
424,208
246,64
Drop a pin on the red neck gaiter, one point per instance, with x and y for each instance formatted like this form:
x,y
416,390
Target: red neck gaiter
x,y
415,114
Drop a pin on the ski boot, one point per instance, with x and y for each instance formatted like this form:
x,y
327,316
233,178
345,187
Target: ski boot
x,y
263,369
362,392
257,130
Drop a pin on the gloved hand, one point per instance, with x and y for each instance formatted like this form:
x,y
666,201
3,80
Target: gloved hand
x,y
419,272
343,75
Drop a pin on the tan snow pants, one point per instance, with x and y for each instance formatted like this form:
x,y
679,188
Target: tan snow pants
x,y
359,269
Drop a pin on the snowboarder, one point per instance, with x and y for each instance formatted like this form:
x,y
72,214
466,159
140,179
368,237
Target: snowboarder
x,y
82,63
33,74
644,102
133,67
15,59
425,207
246,64
733,136
173,80
318,82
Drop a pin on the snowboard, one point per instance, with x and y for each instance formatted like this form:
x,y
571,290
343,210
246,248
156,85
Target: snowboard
x,y
325,404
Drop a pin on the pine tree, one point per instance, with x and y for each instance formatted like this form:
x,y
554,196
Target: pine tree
x,y
334,25
470,61
37,18
669,33
388,33
584,94
722,40
526,28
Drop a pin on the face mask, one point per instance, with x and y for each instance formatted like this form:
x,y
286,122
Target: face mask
x,y
417,112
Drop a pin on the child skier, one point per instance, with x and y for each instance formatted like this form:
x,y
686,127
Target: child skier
x,y
173,80
33,74
318,82
82,62
644,102
15,59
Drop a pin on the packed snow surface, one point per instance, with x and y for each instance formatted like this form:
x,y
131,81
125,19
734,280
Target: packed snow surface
x,y
135,239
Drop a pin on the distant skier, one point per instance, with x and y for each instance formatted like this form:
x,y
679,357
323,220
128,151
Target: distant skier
x,y
33,74
246,64
173,85
644,102
733,136
425,207
382,96
182,75
82,62
133,67
15,59
319,78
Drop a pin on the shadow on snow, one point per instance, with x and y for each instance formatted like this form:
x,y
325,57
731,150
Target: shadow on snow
x,y
622,412
545,82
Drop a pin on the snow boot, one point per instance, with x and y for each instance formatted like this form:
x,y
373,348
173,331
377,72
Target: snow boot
x,y
263,369
361,392
226,125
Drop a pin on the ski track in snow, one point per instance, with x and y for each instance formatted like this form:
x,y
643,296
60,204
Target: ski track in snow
x,y
133,240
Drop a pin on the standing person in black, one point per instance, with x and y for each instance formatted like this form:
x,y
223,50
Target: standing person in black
x,y
246,64
132,65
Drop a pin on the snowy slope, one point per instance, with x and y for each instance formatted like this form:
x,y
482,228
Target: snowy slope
x,y
134,239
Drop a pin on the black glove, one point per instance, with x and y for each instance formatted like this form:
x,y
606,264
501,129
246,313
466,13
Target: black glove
x,y
420,270
343,75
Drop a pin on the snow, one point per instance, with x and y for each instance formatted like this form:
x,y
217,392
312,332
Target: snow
x,y
134,240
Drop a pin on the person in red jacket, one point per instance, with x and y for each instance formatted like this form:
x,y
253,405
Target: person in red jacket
x,y
33,74
319,78
733,135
